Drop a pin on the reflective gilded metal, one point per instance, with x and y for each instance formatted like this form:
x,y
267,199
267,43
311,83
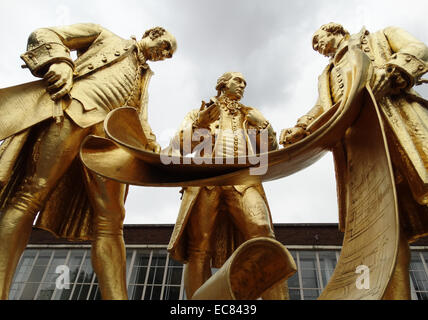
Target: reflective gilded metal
x,y
44,123
381,161
367,114
376,126
214,220
265,261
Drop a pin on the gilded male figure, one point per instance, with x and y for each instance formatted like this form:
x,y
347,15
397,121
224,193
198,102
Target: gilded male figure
x,y
398,60
41,171
214,220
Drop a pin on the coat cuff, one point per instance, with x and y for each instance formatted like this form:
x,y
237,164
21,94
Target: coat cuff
x,y
304,121
40,58
408,64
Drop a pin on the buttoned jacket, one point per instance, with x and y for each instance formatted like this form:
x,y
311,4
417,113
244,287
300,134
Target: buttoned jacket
x,y
405,116
97,48
227,238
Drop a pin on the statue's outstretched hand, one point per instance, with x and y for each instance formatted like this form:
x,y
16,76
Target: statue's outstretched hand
x,y
292,135
60,80
153,146
207,115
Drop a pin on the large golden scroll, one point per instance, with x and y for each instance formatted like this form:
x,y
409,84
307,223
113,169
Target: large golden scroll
x,y
371,224
367,204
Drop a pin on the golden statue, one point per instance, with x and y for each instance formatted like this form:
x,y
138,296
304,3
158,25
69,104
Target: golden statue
x,y
44,123
391,128
214,220
370,118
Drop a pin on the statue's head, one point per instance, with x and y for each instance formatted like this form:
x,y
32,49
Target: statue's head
x,y
232,85
327,39
158,44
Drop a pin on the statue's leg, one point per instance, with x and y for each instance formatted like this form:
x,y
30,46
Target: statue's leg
x,y
54,150
199,230
399,285
108,248
251,215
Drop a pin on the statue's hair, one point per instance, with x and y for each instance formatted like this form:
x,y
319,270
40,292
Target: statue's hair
x,y
334,28
221,82
154,33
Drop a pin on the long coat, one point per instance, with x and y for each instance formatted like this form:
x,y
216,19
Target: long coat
x,y
226,236
405,118
67,212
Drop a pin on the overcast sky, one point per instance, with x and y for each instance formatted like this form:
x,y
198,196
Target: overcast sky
x,y
268,41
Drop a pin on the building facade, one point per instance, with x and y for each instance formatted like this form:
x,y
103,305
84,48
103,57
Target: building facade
x,y
54,269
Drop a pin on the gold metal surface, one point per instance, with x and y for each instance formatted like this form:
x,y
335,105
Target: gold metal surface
x,y
371,231
45,123
214,220
376,126
281,163
266,262
367,114
381,163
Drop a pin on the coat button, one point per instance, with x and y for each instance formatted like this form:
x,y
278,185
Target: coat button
x,y
90,66
408,59
117,53
364,41
367,49
421,67
48,46
104,59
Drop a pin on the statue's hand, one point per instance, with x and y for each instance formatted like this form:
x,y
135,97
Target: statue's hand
x,y
292,135
60,80
153,146
207,115
387,81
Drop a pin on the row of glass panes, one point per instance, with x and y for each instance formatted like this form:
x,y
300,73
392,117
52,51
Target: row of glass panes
x,y
418,270
152,275
314,269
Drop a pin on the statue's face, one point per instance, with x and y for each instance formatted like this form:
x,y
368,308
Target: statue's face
x,y
326,42
234,88
160,48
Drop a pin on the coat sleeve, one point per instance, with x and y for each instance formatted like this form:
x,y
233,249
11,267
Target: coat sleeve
x,y
323,102
310,116
51,45
410,55
265,131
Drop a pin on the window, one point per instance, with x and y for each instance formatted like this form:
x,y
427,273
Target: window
x,y
419,274
152,274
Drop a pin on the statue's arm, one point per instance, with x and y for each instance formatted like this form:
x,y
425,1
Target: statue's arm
x,y
256,119
410,56
47,46
298,132
48,54
304,121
